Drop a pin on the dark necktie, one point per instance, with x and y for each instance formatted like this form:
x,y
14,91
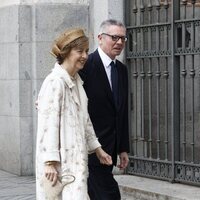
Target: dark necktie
x,y
114,81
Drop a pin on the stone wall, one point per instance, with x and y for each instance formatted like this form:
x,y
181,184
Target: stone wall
x,y
26,33
27,29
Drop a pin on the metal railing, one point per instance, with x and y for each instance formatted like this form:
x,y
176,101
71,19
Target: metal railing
x,y
163,55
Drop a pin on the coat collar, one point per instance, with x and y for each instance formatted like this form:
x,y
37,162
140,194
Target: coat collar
x,y
58,70
65,75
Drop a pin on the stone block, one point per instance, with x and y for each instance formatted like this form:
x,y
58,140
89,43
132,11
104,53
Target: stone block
x,y
26,23
25,98
52,19
9,59
25,61
26,147
9,25
9,144
44,61
9,101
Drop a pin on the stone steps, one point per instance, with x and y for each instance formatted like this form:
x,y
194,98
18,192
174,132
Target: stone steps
x,y
139,188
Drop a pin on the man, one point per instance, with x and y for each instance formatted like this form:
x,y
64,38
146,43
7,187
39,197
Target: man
x,y
108,108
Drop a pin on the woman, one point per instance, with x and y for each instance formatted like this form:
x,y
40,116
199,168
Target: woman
x,y
65,133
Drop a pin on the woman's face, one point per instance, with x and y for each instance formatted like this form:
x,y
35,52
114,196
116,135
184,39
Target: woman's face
x,y
77,57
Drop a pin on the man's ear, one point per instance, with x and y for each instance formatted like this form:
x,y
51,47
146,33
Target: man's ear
x,y
99,38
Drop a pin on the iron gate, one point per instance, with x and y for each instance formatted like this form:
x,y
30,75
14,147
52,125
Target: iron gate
x,y
163,55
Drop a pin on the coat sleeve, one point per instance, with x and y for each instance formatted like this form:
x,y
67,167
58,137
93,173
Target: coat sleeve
x,y
49,109
91,139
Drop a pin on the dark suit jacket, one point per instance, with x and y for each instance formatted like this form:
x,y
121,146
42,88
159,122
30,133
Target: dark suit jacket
x,y
110,123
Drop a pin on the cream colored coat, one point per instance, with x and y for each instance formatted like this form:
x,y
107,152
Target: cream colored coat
x,y
62,113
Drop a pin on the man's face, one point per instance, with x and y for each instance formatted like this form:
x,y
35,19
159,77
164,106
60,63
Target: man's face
x,y
109,41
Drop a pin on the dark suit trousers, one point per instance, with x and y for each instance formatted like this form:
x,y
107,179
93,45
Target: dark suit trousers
x,y
101,183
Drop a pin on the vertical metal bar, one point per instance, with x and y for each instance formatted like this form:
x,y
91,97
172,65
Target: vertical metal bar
x,y
158,75
126,5
184,73
130,69
175,88
150,74
135,77
192,74
142,74
166,76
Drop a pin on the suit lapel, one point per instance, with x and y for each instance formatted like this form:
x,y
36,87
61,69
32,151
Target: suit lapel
x,y
103,76
120,92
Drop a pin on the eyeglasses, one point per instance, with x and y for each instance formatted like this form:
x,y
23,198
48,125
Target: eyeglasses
x,y
115,38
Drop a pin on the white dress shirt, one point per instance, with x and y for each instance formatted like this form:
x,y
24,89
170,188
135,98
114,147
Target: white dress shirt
x,y
106,63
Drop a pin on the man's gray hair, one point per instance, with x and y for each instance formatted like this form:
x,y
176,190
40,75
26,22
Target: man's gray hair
x,y
110,22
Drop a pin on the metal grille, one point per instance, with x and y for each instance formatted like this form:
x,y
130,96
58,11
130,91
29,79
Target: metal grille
x,y
163,55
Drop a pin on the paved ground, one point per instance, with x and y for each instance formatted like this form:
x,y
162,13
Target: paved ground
x,y
14,187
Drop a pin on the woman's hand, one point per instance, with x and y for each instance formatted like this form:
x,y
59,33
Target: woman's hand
x,y
104,158
50,172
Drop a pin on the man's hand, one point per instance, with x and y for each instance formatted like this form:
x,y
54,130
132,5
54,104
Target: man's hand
x,y
104,158
123,160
